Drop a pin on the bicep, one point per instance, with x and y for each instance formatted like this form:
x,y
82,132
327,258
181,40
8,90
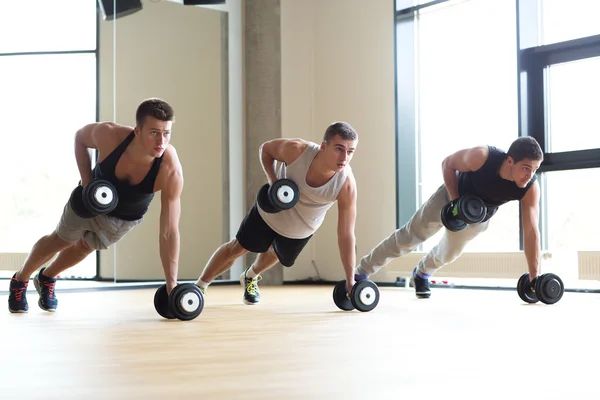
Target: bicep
x,y
171,198
347,205
530,207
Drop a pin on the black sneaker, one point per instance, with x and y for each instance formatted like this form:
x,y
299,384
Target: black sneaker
x,y
251,294
17,299
421,285
45,288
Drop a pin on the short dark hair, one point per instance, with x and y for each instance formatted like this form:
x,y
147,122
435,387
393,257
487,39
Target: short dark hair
x,y
343,129
525,147
153,107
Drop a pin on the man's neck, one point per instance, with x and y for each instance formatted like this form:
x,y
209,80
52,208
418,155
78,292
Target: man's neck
x,y
137,155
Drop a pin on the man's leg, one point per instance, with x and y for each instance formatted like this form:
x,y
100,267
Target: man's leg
x,y
253,235
250,277
43,251
45,280
426,222
446,251
284,250
221,261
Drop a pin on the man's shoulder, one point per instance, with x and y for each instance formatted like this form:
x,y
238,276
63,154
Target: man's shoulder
x,y
111,132
170,163
170,173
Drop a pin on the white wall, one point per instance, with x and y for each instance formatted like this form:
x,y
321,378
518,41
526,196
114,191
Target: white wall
x,y
170,51
338,64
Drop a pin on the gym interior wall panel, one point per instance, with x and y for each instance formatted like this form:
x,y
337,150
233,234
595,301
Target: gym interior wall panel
x,y
262,61
342,68
172,52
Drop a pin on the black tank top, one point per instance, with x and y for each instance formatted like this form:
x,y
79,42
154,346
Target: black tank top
x,y
487,183
133,200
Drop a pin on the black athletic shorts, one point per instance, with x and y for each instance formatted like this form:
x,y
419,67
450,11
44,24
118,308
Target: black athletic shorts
x,y
256,236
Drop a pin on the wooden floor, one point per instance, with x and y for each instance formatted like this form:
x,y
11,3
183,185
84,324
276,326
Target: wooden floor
x,y
470,344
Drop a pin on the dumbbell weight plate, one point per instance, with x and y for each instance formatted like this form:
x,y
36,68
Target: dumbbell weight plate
x,y
549,288
100,197
284,194
364,295
76,203
340,298
524,290
471,209
186,301
262,198
450,221
161,302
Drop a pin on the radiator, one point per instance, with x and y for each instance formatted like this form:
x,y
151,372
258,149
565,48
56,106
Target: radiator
x,y
505,265
589,265
12,261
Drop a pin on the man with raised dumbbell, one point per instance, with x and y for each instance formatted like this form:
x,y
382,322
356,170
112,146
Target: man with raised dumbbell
x,y
112,199
476,182
281,222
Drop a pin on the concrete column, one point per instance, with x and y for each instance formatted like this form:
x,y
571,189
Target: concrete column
x,y
263,98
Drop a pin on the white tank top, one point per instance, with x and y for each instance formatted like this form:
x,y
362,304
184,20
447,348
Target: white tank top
x,y
308,214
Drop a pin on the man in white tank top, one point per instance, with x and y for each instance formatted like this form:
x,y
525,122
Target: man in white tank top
x,y
323,175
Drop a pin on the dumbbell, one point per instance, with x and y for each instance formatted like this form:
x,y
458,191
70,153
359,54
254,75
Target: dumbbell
x,y
547,288
185,302
364,296
467,209
98,197
283,194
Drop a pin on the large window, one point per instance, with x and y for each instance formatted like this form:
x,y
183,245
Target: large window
x,y
48,80
571,198
573,95
566,20
467,96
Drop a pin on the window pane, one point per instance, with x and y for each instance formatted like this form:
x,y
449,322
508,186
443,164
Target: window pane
x,y
566,20
402,4
43,25
468,96
48,97
571,198
573,97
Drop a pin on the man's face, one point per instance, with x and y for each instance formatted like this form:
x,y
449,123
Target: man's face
x,y
338,152
155,136
523,171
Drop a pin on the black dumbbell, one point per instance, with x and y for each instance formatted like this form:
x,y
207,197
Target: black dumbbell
x,y
547,288
364,296
185,302
467,209
98,197
283,194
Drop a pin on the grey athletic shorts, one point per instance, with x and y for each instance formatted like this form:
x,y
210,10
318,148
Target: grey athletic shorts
x,y
99,232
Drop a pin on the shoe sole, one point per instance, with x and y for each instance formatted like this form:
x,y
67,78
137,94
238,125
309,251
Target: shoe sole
x,y
39,290
17,311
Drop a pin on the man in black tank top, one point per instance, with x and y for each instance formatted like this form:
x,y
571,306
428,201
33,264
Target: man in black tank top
x,y
485,171
138,162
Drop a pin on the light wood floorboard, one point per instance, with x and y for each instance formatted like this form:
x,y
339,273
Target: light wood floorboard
x,y
467,344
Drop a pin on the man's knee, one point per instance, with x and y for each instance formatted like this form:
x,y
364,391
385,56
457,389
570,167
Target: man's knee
x,y
57,242
84,246
235,249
